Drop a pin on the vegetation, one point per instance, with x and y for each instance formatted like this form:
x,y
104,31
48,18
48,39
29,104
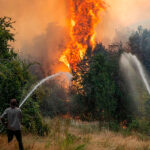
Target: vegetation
x,y
139,44
101,93
66,135
15,78
98,93
53,102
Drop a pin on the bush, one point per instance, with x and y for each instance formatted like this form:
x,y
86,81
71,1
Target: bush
x,y
114,126
144,126
14,78
33,123
134,125
141,126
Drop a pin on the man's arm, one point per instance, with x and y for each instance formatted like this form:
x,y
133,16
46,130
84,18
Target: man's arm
x,y
3,116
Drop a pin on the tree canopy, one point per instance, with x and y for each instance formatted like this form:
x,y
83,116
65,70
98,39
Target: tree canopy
x,y
15,79
100,90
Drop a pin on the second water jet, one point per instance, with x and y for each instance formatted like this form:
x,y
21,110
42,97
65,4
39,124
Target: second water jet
x,y
129,63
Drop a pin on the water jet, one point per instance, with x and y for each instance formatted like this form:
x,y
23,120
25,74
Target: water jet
x,y
68,75
128,62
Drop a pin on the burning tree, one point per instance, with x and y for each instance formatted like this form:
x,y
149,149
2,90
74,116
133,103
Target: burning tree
x,y
83,17
99,92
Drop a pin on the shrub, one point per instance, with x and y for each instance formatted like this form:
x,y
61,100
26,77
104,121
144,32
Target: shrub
x,y
134,125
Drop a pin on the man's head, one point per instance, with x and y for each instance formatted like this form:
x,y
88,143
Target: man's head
x,y
13,103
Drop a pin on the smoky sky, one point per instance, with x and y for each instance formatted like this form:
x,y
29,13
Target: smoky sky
x,y
121,18
41,24
47,48
33,16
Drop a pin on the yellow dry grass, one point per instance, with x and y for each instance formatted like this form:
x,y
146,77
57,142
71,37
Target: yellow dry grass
x,y
107,140
85,138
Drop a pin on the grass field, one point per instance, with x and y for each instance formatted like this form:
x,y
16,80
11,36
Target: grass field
x,y
69,135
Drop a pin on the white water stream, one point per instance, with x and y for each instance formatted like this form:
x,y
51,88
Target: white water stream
x,y
68,75
127,59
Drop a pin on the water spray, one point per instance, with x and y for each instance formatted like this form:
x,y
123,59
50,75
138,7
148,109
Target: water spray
x,y
69,76
127,59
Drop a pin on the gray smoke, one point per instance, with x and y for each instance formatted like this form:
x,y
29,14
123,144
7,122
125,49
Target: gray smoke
x,y
47,48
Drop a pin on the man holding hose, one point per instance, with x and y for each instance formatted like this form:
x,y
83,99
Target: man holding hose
x,y
14,117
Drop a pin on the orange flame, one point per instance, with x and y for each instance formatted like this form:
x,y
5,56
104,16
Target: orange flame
x,y
82,20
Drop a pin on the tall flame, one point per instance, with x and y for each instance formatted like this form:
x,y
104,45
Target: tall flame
x,y
82,20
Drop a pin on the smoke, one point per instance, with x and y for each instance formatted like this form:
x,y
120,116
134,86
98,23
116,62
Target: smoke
x,y
47,48
40,29
121,18
32,17
41,25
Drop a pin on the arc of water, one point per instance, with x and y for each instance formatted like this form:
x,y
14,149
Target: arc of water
x,y
41,82
134,59
141,71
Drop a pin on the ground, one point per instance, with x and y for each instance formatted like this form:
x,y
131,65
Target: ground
x,y
71,135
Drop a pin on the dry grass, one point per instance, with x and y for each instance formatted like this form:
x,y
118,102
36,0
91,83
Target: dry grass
x,y
78,136
107,140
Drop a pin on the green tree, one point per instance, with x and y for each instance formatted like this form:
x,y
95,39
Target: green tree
x,y
139,44
99,90
94,84
6,36
15,78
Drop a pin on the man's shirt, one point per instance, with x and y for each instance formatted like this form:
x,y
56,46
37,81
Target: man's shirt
x,y
14,117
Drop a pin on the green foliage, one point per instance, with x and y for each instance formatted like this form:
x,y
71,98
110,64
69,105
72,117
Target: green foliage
x,y
53,102
100,92
68,141
114,126
12,84
6,35
96,87
99,88
14,77
33,123
144,126
61,138
139,44
134,125
140,125
147,109
14,73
